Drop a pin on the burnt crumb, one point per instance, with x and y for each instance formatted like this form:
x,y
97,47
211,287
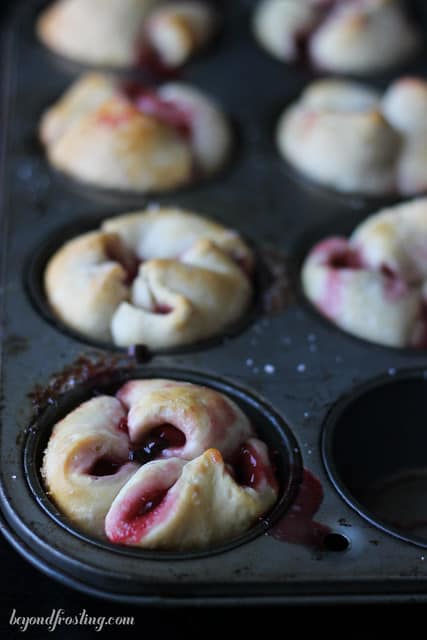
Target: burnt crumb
x,y
86,367
15,344
374,542
343,522
275,280
141,353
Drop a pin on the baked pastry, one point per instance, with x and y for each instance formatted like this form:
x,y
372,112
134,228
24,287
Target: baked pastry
x,y
164,464
374,284
340,36
348,137
87,462
160,277
126,33
131,137
405,107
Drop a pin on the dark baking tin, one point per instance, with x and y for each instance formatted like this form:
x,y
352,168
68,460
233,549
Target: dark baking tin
x,y
294,363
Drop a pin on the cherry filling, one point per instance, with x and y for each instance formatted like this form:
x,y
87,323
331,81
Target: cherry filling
x,y
302,42
151,104
249,470
388,271
105,467
137,515
244,263
117,252
394,286
145,504
303,37
162,309
345,259
149,58
165,436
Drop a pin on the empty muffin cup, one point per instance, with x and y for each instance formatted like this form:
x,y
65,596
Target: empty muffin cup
x,y
374,451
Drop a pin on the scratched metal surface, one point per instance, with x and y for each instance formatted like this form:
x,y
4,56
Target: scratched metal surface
x,y
295,361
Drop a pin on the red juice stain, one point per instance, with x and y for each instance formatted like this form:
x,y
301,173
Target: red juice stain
x,y
336,254
123,426
150,103
114,119
95,365
298,525
165,111
394,286
330,303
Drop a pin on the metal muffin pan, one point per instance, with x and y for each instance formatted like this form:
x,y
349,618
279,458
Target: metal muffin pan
x,y
292,366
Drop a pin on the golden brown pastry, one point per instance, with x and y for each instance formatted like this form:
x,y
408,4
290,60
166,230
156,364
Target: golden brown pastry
x,y
165,464
131,137
87,462
348,137
340,36
374,285
124,33
160,277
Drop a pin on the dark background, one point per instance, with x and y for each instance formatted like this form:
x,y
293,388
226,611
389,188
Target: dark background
x,y
33,594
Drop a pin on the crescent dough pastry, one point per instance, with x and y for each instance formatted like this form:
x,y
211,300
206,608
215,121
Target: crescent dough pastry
x,y
216,422
131,137
162,278
86,462
345,136
342,36
165,464
374,285
124,33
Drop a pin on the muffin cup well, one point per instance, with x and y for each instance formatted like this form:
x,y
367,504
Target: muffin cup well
x,y
270,427
373,447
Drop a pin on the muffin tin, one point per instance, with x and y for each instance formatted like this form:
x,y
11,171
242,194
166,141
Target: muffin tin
x,y
345,417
